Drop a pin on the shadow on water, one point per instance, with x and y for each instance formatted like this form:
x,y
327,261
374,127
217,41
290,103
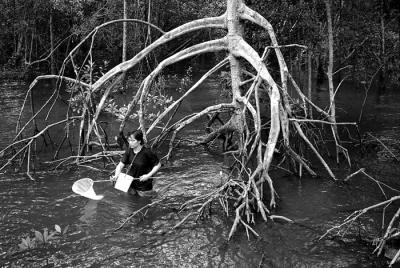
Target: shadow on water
x,y
148,239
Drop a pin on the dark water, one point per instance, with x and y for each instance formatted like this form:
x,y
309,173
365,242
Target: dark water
x,y
149,240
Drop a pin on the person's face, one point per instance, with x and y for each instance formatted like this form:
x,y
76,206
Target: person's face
x,y
133,143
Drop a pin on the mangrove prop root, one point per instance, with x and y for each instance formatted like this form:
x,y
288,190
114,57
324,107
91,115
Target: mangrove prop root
x,y
247,182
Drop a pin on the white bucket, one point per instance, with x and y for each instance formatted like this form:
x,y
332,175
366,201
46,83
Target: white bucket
x,y
123,183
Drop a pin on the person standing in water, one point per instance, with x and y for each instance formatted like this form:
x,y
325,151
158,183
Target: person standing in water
x,y
141,163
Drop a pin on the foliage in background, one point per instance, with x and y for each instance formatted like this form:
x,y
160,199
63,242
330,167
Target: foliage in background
x,y
357,28
157,100
90,74
357,34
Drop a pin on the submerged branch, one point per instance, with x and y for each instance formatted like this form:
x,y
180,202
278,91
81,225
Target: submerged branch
x,y
356,214
384,146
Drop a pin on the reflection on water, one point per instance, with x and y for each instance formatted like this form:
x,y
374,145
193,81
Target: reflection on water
x,y
89,211
149,240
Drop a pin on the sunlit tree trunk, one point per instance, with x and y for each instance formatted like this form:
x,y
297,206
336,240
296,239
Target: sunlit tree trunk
x,y
18,52
309,82
235,30
52,59
382,48
148,36
332,110
124,40
31,45
124,33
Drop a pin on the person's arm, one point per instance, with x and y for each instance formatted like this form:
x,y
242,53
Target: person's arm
x,y
118,170
147,176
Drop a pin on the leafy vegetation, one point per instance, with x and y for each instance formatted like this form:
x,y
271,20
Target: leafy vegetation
x,y
42,238
366,32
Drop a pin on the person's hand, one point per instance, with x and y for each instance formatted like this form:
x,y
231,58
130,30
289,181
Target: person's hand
x,y
144,177
113,178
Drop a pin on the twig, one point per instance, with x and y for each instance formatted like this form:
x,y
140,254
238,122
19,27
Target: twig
x,y
30,139
350,219
50,53
274,217
354,173
183,220
136,212
388,230
379,183
29,163
322,121
206,75
384,146
249,228
394,258
366,93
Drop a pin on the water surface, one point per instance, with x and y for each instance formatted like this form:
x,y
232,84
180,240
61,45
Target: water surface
x,y
149,240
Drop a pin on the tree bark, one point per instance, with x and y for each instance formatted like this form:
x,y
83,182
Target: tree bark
x,y
309,64
148,37
235,30
382,78
124,40
51,32
124,32
332,111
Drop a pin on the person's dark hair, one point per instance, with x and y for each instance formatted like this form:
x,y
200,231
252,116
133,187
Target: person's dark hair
x,y
137,134
121,140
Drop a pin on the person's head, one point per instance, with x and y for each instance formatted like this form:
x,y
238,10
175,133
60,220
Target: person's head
x,y
135,138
